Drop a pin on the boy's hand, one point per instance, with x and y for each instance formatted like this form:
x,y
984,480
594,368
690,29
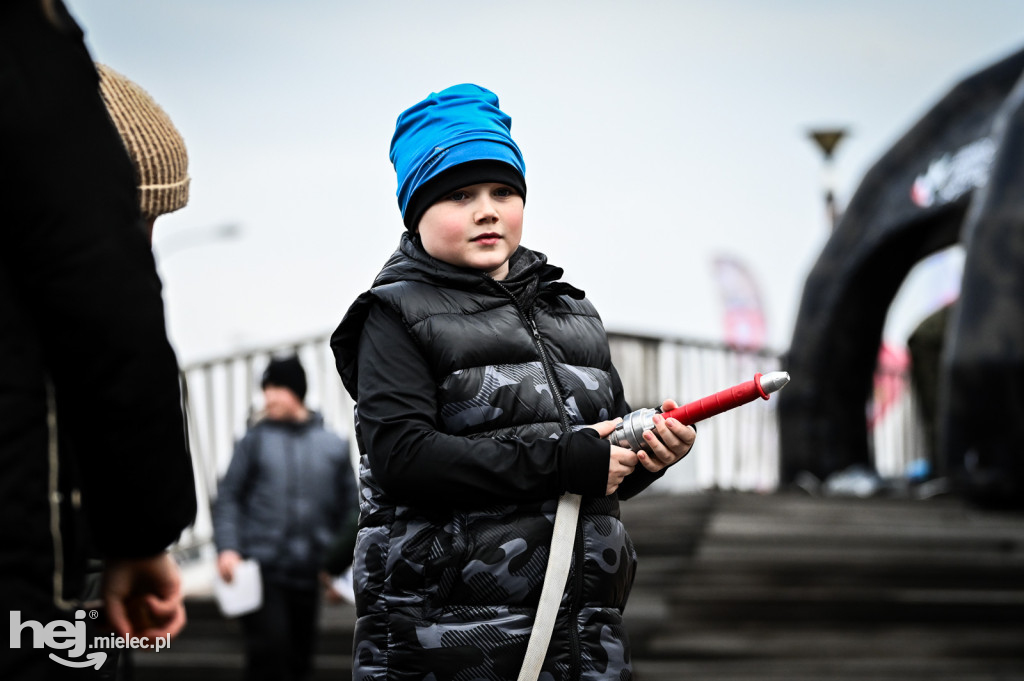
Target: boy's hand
x,y
672,443
621,462
330,593
227,561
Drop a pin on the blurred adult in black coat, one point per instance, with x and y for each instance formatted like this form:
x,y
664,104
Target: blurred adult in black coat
x,y
92,443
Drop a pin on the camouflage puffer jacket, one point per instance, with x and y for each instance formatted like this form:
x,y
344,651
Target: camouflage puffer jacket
x,y
448,589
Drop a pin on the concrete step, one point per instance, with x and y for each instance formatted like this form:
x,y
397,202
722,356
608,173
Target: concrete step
x,y
831,669
799,588
747,587
210,647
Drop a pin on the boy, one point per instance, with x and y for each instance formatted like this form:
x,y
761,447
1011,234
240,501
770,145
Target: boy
x,y
476,373
284,501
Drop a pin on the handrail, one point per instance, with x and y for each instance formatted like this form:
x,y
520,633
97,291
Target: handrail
x,y
737,450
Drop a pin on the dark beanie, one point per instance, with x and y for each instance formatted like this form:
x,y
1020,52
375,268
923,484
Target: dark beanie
x,y
286,372
459,126
457,177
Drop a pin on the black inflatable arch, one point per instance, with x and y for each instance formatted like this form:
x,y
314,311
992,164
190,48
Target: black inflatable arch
x,y
911,203
981,405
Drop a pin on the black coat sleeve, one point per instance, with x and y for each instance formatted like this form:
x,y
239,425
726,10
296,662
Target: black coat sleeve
x,y
415,462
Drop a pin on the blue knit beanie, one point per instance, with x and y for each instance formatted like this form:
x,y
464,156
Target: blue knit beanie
x,y
452,139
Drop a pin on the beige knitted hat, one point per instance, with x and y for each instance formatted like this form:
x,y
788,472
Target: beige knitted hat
x,y
156,147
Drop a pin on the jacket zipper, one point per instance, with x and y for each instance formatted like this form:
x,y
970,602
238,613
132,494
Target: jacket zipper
x,y
577,582
545,361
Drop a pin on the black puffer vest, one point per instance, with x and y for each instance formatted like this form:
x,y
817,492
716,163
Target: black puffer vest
x,y
452,593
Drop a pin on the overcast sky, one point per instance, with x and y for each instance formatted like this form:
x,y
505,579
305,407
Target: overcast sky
x,y
657,136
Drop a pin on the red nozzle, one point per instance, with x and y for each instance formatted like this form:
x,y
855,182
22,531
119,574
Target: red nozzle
x,y
725,400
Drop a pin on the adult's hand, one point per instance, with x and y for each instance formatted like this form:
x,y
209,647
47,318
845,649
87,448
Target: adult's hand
x,y
143,596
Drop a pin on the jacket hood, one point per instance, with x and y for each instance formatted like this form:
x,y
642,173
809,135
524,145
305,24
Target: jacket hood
x,y
315,419
529,271
410,262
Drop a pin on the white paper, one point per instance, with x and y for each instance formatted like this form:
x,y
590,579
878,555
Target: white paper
x,y
244,594
343,585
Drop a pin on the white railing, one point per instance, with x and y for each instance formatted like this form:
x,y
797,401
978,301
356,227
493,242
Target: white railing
x,y
737,450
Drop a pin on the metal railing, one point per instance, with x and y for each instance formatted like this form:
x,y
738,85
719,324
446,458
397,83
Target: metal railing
x,y
737,450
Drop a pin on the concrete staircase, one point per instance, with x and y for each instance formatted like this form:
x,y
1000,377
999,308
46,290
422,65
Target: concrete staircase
x,y
210,648
743,587
799,588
